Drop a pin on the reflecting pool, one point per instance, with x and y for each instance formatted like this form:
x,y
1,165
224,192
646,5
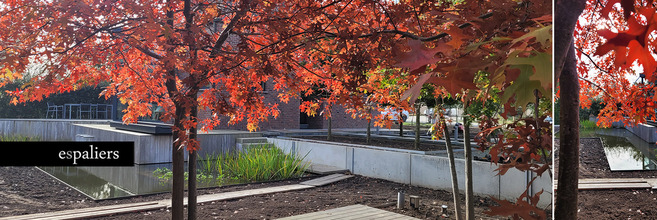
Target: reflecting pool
x,y
624,150
115,182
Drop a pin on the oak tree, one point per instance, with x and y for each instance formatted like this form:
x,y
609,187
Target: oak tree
x,y
205,54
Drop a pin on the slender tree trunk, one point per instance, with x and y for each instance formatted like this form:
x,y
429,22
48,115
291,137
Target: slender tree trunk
x,y
177,152
452,166
193,154
417,126
566,195
469,193
567,12
191,186
401,125
178,168
330,126
369,126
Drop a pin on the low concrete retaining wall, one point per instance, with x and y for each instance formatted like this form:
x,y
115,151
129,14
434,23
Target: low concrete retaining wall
x,y
416,169
149,148
645,131
44,129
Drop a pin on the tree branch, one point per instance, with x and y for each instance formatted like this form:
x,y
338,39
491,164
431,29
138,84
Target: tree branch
x,y
594,84
415,37
224,33
591,59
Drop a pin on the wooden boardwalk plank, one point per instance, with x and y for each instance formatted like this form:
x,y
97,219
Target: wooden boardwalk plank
x,y
106,212
350,212
323,179
326,213
643,185
366,214
611,181
320,214
616,183
326,180
332,212
322,169
247,193
59,214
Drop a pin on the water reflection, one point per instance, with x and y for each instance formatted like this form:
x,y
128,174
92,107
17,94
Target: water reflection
x,y
114,182
624,150
87,183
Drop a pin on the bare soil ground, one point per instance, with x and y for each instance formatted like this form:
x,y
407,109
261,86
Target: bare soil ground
x,y
25,190
614,203
381,142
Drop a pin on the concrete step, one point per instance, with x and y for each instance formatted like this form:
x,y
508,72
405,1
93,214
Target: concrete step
x,y
251,140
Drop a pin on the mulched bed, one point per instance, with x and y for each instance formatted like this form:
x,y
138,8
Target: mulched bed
x,y
381,142
25,190
616,203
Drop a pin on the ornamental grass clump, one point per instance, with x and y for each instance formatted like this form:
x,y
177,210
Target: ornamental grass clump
x,y
264,162
261,162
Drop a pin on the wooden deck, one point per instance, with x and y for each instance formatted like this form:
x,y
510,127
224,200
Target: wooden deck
x,y
360,212
92,212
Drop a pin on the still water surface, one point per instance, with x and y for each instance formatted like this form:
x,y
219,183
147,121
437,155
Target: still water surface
x,y
624,150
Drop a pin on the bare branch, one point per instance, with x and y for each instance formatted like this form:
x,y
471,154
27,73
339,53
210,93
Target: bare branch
x,y
224,33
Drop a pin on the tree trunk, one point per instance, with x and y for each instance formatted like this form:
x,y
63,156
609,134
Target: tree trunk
x,y
178,168
191,191
417,126
330,126
191,186
469,196
566,195
401,125
177,152
568,12
369,128
452,166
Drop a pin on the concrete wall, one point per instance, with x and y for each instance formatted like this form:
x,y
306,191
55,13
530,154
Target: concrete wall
x,y
44,129
416,169
645,131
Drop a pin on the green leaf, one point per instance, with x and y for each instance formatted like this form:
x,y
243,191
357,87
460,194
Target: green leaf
x,y
542,64
523,88
543,35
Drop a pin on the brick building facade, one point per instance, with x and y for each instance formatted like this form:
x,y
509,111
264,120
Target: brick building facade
x,y
290,117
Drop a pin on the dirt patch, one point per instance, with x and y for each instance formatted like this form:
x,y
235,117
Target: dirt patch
x,y
26,190
610,204
381,142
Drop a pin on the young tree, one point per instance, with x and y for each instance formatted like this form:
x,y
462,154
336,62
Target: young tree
x,y
567,14
610,42
523,76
